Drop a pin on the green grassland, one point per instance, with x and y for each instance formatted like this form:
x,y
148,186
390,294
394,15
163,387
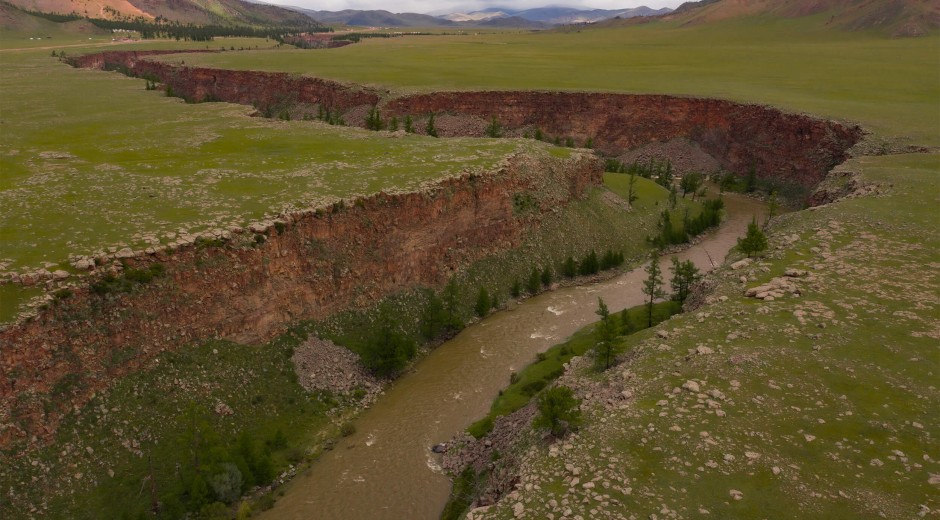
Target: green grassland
x,y
92,160
819,405
890,86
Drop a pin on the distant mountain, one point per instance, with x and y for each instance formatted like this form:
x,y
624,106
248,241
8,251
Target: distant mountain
x,y
539,18
377,18
566,15
512,22
554,15
894,17
200,12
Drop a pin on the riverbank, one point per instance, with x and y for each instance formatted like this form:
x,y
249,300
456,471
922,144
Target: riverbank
x,y
386,469
815,403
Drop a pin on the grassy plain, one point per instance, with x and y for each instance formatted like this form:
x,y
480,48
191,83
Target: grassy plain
x,y
890,86
92,160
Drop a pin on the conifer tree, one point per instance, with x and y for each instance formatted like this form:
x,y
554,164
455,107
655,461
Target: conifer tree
x,y
754,241
653,286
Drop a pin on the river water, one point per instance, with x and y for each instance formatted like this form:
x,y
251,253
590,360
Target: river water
x,y
386,469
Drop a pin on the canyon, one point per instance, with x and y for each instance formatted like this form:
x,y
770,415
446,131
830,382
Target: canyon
x,y
250,285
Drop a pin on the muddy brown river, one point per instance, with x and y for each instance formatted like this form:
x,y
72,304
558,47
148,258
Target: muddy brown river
x,y
386,470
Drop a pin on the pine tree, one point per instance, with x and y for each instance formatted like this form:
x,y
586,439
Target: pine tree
x,y
483,302
626,326
754,241
653,286
750,183
569,268
409,125
535,281
631,189
547,276
773,205
606,334
684,275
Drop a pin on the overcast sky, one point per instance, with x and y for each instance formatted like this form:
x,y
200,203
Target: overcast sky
x,y
427,6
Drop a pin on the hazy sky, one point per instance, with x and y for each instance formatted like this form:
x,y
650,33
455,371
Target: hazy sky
x,y
426,6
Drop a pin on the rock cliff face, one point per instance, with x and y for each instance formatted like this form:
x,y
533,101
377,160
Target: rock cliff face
x,y
266,90
786,147
793,148
314,264
310,265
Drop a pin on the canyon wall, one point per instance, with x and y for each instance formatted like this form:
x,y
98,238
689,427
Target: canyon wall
x,y
317,263
312,264
792,148
265,90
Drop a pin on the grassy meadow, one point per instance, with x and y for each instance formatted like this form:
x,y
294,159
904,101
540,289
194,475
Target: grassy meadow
x,y
92,161
889,86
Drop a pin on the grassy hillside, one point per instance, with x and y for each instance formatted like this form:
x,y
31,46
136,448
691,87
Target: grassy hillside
x,y
887,85
185,11
896,18
816,405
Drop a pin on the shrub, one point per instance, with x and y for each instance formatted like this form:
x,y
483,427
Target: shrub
x,y
569,268
559,411
347,429
482,307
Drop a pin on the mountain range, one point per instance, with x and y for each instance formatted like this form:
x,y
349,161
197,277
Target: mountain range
x,y
199,12
538,18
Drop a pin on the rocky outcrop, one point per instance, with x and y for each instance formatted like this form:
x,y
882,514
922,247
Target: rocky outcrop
x,y
309,265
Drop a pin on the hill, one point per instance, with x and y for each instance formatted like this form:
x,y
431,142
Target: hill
x,y
200,12
898,18
378,18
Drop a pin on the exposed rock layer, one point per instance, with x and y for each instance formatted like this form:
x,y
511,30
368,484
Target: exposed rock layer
x,y
317,263
786,147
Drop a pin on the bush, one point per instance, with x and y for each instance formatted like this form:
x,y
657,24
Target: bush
x,y
389,350
569,268
494,129
482,307
347,429
559,411
535,281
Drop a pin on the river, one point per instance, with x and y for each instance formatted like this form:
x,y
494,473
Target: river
x,y
386,469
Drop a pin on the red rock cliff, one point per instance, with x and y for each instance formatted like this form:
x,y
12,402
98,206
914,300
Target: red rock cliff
x,y
321,263
789,147
792,148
